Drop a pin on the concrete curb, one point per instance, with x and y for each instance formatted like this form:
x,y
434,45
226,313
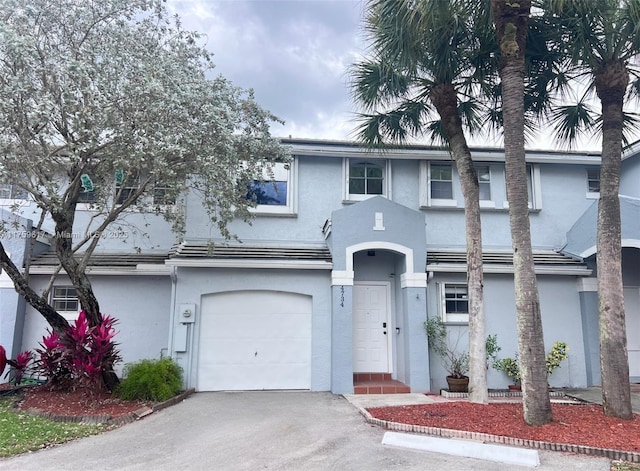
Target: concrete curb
x,y
465,448
109,420
630,456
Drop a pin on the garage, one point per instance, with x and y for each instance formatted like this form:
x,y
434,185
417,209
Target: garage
x,y
254,340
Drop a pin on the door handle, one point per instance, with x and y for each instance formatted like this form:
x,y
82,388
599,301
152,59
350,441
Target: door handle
x,y
384,325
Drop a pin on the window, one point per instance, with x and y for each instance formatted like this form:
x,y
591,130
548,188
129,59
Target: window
x,y
593,182
441,180
534,193
5,281
454,302
276,194
160,196
127,188
9,191
484,179
366,178
436,184
64,299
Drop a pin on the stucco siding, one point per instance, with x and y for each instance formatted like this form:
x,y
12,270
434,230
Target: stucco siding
x,y
141,305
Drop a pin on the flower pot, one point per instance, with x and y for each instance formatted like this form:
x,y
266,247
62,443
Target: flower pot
x,y
458,384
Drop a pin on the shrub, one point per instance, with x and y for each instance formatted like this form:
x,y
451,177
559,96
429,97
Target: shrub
x,y
151,380
81,356
19,367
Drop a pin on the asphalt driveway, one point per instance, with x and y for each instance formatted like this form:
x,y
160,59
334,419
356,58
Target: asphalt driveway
x,y
256,431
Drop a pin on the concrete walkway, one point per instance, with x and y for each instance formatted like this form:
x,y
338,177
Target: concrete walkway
x,y
594,395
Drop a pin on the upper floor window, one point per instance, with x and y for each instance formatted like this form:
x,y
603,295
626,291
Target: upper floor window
x,y
276,193
5,281
437,184
161,196
366,178
593,182
441,180
484,180
64,299
125,189
534,192
9,191
454,302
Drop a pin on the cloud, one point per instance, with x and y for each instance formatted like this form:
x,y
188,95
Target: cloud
x,y
294,54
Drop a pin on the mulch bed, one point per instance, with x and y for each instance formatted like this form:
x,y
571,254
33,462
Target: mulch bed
x,y
572,424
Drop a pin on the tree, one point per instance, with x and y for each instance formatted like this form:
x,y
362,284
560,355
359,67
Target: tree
x,y
511,21
113,100
423,58
601,40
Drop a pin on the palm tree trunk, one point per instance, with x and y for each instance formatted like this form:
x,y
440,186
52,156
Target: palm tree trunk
x,y
511,22
611,84
444,99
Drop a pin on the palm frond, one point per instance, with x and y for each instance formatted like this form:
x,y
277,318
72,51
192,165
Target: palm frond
x,y
571,121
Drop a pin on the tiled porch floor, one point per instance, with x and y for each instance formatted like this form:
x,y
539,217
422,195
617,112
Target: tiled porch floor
x,y
377,383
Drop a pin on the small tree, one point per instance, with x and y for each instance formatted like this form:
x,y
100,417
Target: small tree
x,y
113,101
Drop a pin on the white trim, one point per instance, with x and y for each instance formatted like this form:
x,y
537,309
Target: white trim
x,y
426,201
413,280
487,268
587,284
386,179
406,251
342,278
452,318
347,149
291,208
591,195
629,243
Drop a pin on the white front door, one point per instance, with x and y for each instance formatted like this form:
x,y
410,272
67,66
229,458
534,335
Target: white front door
x,y
371,328
632,318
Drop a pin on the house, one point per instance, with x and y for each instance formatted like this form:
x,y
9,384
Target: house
x,y
349,252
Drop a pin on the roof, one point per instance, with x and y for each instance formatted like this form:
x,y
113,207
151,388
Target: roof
x,y
108,263
331,148
546,262
205,253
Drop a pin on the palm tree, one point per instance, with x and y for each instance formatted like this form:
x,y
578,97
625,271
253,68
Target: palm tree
x,y
601,40
511,21
422,59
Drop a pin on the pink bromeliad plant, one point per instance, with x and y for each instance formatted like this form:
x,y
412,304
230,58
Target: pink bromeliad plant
x,y
19,366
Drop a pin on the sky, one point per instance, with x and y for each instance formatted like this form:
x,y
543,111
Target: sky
x,y
295,55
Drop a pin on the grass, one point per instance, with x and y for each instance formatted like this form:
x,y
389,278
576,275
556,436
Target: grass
x,y
20,432
624,466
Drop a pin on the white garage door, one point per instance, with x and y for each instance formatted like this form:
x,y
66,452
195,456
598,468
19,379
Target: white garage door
x,y
255,340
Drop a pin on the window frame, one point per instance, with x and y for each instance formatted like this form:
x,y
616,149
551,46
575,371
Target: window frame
x,y
452,317
534,188
5,281
14,191
69,315
384,164
485,203
425,183
291,207
590,193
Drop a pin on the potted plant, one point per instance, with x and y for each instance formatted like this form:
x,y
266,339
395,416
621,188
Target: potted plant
x,y
455,362
511,367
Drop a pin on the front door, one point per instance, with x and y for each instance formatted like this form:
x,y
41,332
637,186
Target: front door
x,y
371,328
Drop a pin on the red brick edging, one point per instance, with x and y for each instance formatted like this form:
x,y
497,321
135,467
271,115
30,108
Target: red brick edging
x,y
630,456
109,420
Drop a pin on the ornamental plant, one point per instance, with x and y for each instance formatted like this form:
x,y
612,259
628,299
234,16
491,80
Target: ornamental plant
x,y
511,366
79,357
19,367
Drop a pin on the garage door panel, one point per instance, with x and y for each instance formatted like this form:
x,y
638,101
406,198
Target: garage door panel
x,y
255,340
